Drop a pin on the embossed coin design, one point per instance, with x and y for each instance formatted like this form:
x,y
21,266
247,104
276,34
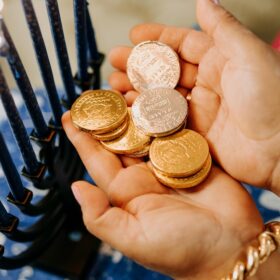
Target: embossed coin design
x,y
152,64
186,182
111,135
179,155
133,140
99,110
159,111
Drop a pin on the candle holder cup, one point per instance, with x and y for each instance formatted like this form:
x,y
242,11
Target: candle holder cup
x,y
10,225
42,141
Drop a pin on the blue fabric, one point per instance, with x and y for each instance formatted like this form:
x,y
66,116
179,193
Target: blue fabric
x,y
111,264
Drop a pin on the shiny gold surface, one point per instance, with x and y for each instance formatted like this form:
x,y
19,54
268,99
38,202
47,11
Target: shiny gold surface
x,y
99,110
187,182
143,153
133,140
179,155
111,135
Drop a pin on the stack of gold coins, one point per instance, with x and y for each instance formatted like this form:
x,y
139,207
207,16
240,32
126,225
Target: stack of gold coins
x,y
102,113
133,142
181,160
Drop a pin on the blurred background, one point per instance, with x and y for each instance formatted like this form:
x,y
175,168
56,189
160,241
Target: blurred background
x,y
114,18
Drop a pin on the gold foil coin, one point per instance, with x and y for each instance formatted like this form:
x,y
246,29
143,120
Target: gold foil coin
x,y
111,135
179,155
159,111
144,152
152,64
99,110
133,140
187,182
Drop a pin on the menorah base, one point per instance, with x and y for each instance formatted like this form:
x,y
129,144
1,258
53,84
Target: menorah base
x,y
70,255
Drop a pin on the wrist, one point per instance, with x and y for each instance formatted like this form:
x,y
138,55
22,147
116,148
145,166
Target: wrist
x,y
258,260
262,260
219,271
270,269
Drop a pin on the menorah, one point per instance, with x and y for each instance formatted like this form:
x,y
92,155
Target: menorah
x,y
57,164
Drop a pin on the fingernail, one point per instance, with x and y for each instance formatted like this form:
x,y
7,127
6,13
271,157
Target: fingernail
x,y
217,2
76,193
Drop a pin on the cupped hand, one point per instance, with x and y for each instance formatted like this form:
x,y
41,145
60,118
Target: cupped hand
x,y
195,233
234,79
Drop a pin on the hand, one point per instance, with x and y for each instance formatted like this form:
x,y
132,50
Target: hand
x,y
234,79
196,233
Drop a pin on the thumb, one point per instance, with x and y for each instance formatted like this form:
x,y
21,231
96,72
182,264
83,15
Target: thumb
x,y
92,200
110,224
229,35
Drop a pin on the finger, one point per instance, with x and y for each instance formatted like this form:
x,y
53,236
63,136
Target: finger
x,y
191,45
119,80
228,33
85,192
127,161
150,165
130,97
107,223
183,91
118,57
210,77
120,184
102,165
115,90
188,75
203,109
134,181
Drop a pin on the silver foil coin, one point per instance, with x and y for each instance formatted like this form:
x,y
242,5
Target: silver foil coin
x,y
159,111
152,64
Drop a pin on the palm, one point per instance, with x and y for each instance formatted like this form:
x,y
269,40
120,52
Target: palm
x,y
201,220
234,83
238,126
149,221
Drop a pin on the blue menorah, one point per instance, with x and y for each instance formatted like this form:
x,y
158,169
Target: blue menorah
x,y
55,164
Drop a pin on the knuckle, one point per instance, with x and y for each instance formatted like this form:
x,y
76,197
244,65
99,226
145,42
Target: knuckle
x,y
88,222
115,191
114,194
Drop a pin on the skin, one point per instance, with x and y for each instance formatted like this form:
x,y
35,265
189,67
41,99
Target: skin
x,y
182,233
233,78
196,233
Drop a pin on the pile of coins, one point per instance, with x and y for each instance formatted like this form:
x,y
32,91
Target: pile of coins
x,y
132,142
104,114
181,160
154,125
